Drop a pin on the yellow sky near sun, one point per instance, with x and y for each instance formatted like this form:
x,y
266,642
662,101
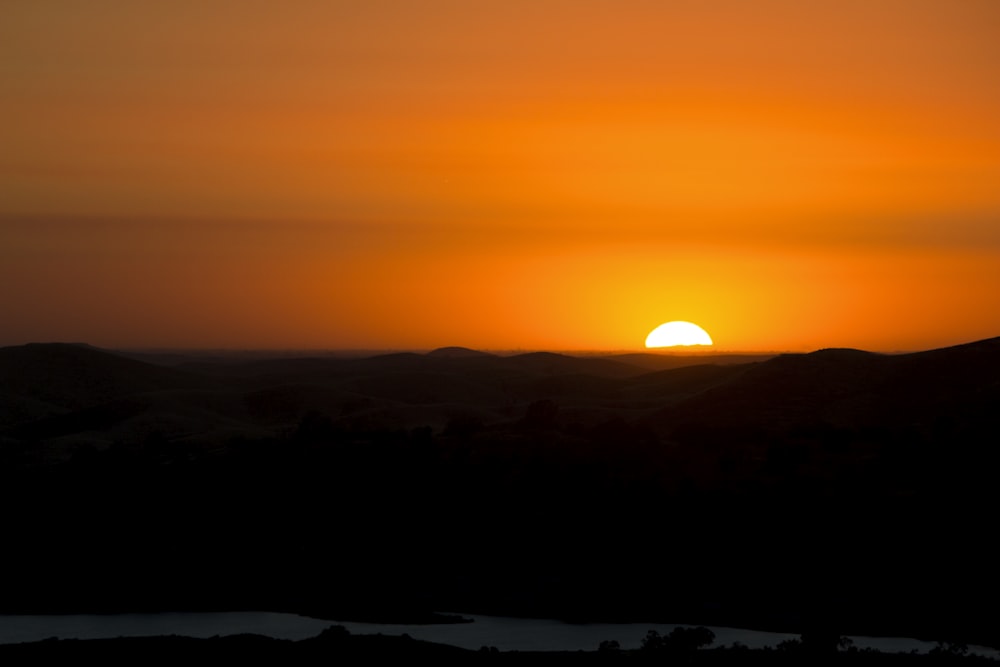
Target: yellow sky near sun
x,y
549,174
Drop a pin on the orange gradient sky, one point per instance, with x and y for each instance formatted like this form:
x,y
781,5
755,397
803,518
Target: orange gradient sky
x,y
539,174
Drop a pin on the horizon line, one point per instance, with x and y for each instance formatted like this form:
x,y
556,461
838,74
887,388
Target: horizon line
x,y
679,350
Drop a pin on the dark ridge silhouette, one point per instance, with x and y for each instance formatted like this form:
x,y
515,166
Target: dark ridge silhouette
x,y
572,385
70,376
397,357
457,352
680,382
46,379
658,362
551,363
849,388
792,387
960,368
425,388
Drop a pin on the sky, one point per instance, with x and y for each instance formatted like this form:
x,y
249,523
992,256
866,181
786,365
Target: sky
x,y
503,175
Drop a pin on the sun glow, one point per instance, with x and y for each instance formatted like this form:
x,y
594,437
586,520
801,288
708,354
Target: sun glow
x,y
676,333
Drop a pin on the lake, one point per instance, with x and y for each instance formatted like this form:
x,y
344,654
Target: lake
x,y
505,633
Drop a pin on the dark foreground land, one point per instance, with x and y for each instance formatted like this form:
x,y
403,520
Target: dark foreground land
x,y
844,491
337,647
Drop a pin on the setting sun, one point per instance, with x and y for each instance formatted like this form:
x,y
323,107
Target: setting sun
x,y
676,333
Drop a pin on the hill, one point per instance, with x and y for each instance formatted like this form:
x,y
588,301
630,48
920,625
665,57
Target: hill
x,y
72,395
68,376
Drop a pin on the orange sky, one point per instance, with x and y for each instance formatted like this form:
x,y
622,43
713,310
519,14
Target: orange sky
x,y
539,174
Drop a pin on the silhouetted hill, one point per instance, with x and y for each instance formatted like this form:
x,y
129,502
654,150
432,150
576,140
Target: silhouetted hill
x,y
550,363
56,390
652,361
71,376
845,388
456,352
45,379
950,373
680,382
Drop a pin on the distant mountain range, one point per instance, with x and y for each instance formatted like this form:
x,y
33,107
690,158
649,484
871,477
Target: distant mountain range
x,y
70,394
67,394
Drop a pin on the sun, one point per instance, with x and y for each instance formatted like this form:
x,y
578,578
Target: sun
x,y
677,333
